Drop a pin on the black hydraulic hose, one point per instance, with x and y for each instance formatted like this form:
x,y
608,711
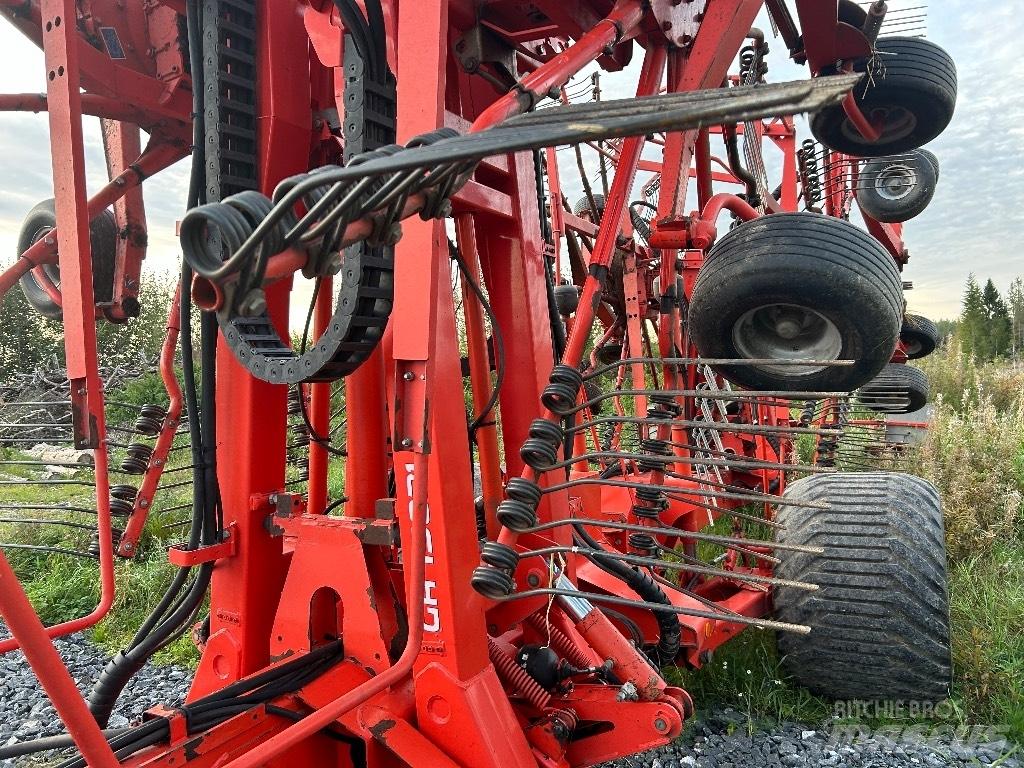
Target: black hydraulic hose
x,y
181,600
670,632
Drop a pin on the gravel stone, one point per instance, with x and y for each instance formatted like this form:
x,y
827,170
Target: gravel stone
x,y
26,712
717,739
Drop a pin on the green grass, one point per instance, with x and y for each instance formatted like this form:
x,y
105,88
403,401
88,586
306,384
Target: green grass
x,y
974,454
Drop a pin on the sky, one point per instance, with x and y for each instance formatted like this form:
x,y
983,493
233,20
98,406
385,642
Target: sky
x,y
974,223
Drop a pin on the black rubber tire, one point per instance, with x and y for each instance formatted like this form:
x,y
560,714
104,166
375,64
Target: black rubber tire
x,y
898,388
809,261
909,72
911,175
103,240
582,207
880,618
930,156
919,335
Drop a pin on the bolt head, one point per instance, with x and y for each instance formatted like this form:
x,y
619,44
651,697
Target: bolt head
x,y
254,303
408,376
407,442
660,725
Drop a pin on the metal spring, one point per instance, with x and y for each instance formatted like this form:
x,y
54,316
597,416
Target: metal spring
x,y
559,642
136,462
642,543
661,404
120,508
654,447
560,394
540,449
810,172
807,415
126,492
94,541
516,515
499,556
491,582
150,420
516,677
526,491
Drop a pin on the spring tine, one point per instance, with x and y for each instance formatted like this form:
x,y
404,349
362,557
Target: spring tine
x,y
744,428
666,460
41,521
677,532
86,483
654,562
613,600
53,507
55,550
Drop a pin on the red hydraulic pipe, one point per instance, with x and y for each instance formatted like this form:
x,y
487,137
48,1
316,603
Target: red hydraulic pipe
x,y
615,208
702,159
14,273
209,295
480,375
55,678
860,121
725,201
414,587
320,406
153,160
92,104
143,500
623,18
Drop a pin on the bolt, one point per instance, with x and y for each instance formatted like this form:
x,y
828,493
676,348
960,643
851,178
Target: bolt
x,y
407,442
127,546
394,233
533,580
660,725
666,25
143,502
254,303
334,263
408,376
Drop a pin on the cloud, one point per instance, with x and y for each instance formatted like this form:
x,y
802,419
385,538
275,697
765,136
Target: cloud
x,y
973,224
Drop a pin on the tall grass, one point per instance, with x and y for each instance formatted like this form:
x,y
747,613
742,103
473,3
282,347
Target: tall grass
x,y
974,454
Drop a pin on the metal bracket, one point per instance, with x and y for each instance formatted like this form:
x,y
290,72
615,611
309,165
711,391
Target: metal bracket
x,y
185,558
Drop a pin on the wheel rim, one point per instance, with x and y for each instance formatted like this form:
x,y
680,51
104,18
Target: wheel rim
x,y
897,123
787,332
895,182
912,346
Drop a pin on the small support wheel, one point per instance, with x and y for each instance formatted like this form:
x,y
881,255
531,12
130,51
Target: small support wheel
x,y
896,189
897,389
909,86
41,220
919,336
582,208
880,618
797,286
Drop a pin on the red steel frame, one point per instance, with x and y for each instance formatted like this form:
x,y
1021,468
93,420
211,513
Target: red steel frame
x,y
427,694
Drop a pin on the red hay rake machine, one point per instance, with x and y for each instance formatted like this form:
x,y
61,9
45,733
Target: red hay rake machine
x,y
506,573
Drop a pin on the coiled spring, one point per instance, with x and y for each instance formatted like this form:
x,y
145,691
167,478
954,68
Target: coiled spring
x,y
810,173
137,458
150,420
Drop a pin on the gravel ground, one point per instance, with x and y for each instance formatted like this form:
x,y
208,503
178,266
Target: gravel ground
x,y
716,740
26,713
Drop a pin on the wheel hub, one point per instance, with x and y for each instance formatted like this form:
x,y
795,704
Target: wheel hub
x,y
787,332
895,182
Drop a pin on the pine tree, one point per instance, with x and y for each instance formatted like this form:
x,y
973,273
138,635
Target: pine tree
x,y
998,321
973,320
1015,298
